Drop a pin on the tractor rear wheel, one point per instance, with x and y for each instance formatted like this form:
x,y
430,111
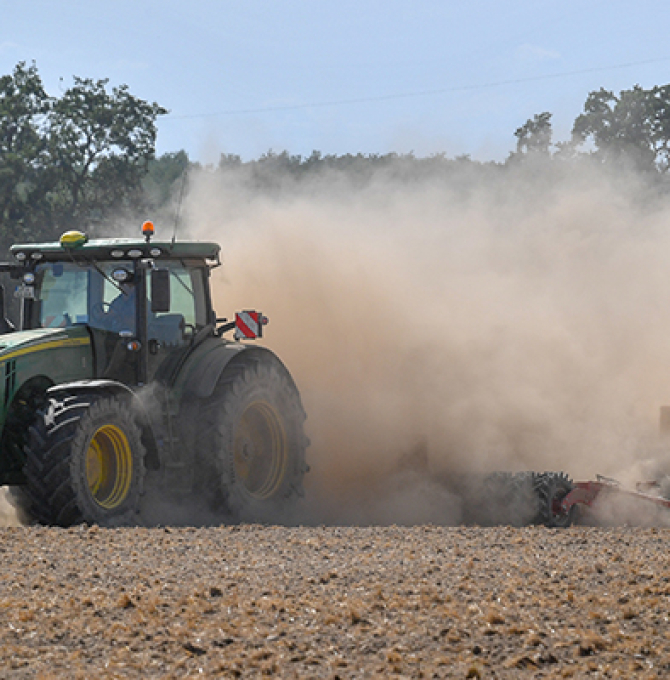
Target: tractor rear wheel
x,y
251,434
85,462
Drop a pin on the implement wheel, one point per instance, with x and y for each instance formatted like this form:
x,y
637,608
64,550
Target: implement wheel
x,y
252,436
85,462
551,488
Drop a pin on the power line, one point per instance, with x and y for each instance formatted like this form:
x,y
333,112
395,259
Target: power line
x,y
423,93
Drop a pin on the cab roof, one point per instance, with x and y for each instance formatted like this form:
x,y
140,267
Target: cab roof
x,y
117,249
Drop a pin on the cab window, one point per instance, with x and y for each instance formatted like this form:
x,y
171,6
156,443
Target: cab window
x,y
63,296
187,295
187,312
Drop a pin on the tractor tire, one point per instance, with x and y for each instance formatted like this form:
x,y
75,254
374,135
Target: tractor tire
x,y
251,435
551,488
85,462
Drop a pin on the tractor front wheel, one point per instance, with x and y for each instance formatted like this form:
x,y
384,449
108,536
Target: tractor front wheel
x,y
85,462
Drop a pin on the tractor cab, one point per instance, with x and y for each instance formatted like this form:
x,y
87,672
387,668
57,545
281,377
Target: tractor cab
x,y
140,301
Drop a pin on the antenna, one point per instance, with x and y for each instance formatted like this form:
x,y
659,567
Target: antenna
x,y
181,200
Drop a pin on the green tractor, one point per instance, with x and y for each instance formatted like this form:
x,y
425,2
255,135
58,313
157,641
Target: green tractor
x,y
117,385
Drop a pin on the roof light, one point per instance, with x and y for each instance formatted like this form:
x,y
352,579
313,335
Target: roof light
x,y
148,230
36,255
134,253
155,252
117,253
20,256
73,239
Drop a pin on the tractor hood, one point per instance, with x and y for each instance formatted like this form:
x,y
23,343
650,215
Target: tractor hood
x,y
25,342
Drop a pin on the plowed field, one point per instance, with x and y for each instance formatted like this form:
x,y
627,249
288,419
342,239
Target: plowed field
x,y
334,602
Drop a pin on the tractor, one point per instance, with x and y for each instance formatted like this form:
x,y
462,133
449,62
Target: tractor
x,y
117,384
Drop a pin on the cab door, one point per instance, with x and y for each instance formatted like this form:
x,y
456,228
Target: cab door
x,y
169,333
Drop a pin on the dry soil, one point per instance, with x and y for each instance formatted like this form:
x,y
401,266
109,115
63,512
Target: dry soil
x,y
332,602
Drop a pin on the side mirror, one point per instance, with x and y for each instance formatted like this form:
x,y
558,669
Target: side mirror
x,y
160,290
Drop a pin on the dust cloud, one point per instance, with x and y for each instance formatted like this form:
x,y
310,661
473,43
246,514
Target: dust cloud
x,y
8,516
496,319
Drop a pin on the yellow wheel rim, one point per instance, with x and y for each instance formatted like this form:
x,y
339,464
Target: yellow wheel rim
x,y
109,466
260,451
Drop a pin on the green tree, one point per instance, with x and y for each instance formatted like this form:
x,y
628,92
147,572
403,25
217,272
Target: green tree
x,y
660,127
164,177
100,145
24,110
632,126
72,162
534,136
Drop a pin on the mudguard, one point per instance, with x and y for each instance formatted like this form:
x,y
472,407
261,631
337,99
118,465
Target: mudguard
x,y
118,389
93,385
204,375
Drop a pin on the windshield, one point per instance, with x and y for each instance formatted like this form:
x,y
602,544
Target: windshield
x,y
68,294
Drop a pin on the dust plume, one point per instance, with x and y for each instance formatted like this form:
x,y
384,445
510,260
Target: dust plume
x,y
8,516
495,318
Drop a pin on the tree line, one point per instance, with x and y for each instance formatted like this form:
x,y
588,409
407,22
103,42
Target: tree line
x,y
86,159
632,127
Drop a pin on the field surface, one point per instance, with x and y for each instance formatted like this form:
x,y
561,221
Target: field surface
x,y
334,602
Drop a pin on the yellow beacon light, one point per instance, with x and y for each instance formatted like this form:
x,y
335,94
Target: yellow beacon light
x,y
148,230
73,239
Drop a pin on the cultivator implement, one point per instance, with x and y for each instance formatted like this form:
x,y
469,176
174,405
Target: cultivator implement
x,y
646,502
552,499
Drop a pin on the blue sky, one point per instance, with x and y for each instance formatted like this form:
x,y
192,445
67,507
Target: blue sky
x,y
245,77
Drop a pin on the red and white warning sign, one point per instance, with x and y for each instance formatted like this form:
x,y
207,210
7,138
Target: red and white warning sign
x,y
249,325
